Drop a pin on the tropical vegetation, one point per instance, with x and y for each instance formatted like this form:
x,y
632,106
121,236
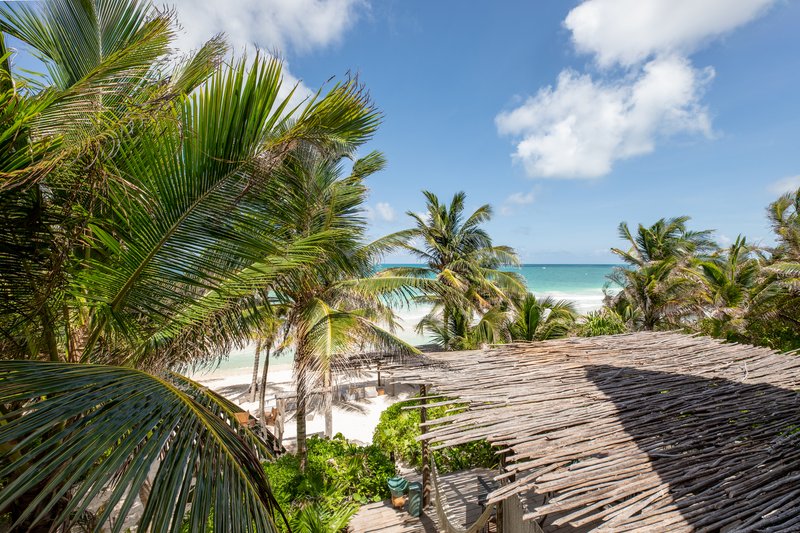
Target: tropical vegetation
x,y
334,306
159,209
675,278
338,478
470,284
397,431
141,234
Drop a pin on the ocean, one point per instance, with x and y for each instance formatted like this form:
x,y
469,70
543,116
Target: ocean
x,y
580,284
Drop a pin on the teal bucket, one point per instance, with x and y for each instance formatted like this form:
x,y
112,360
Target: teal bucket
x,y
415,499
398,486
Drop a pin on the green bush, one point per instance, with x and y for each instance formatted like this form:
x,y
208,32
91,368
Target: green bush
x,y
602,322
398,429
339,477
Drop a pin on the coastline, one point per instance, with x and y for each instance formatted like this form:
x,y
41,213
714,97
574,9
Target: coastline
x,y
357,419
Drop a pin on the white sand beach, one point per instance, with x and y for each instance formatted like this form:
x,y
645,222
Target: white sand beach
x,y
355,418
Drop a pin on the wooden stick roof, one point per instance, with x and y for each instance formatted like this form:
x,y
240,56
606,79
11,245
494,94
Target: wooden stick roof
x,y
645,431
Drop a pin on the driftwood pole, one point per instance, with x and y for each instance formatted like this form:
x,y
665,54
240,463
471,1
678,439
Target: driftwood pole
x,y
426,460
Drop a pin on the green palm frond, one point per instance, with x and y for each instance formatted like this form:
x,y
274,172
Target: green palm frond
x,y
74,37
76,427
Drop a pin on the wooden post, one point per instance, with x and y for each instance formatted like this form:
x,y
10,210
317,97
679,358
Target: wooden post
x,y
426,460
500,516
279,419
379,373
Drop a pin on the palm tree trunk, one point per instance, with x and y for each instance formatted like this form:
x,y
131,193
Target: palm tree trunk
x,y
262,391
254,381
300,415
327,385
446,328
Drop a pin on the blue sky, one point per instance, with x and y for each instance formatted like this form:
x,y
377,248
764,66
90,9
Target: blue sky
x,y
567,117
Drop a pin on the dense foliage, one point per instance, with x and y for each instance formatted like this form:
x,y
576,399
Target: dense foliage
x,y
148,222
675,278
672,277
398,429
339,476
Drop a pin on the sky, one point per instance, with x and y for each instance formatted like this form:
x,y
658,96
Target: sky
x,y
567,117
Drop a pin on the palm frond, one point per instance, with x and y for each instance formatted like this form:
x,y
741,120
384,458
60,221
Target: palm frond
x,y
76,427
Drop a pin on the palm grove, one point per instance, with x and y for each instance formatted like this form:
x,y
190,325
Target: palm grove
x,y
159,209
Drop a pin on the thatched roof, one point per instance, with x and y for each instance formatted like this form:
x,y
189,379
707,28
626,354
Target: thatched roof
x,y
647,431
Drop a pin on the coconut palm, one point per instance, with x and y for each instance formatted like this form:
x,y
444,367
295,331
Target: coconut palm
x,y
459,254
665,239
335,306
656,291
134,233
541,318
774,317
784,216
726,284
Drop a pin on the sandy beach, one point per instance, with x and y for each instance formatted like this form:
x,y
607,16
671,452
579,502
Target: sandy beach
x,y
354,418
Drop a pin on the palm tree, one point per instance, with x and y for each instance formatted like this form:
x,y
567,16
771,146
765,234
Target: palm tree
x,y
133,230
784,215
665,239
726,284
459,254
774,317
334,306
655,288
541,318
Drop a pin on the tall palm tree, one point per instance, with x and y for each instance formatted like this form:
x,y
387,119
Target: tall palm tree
x,y
335,306
132,231
784,215
459,254
655,288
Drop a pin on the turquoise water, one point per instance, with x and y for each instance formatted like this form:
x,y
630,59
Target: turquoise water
x,y
580,284
565,278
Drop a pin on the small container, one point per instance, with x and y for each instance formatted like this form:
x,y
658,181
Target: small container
x,y
398,487
415,499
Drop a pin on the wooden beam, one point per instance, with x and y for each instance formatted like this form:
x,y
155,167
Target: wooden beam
x,y
426,461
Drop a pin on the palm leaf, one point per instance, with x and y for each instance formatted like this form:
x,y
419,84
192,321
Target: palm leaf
x,y
78,426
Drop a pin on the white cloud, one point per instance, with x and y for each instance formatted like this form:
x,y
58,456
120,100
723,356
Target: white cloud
x,y
580,127
385,211
519,198
382,212
583,125
630,31
272,26
782,186
515,200
302,25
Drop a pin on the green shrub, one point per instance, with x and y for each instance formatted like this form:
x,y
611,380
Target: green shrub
x,y
398,429
339,477
603,322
